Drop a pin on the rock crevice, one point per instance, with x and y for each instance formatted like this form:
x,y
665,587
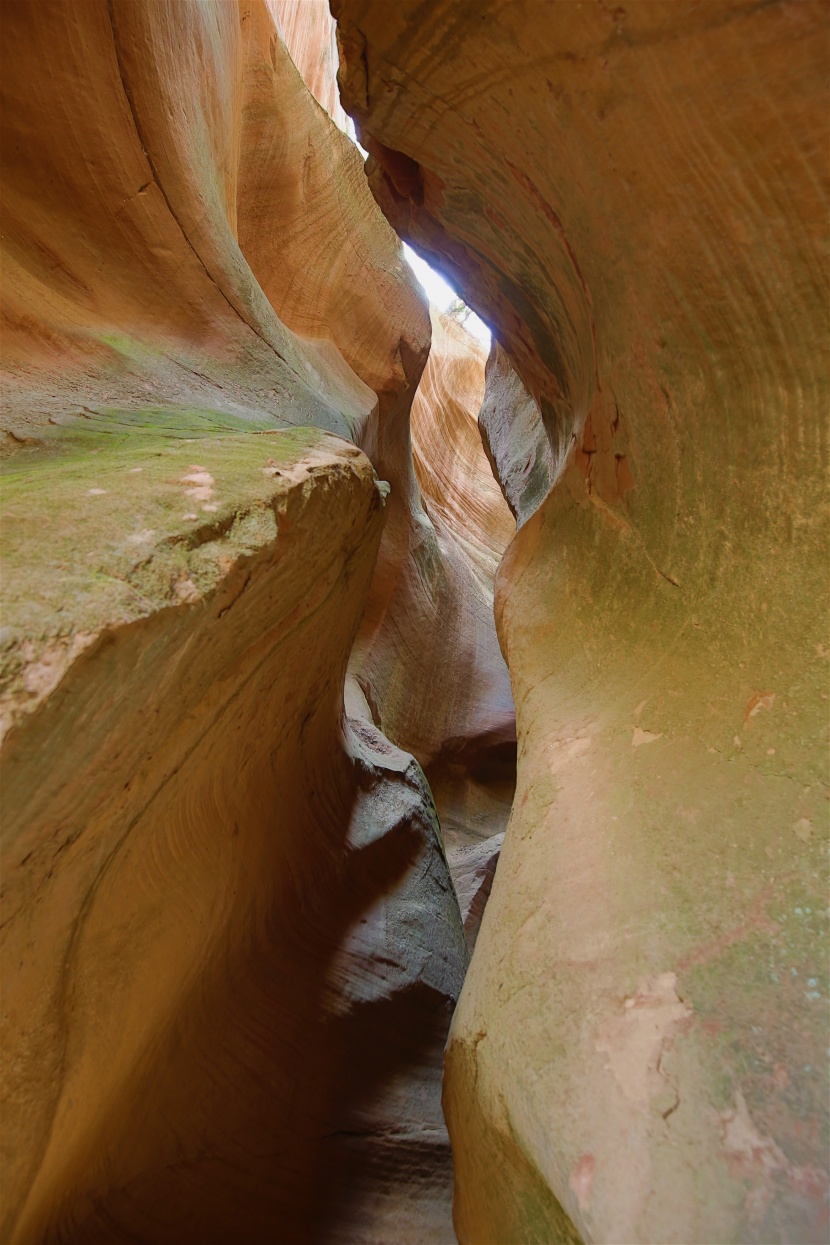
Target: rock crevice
x,y
310,607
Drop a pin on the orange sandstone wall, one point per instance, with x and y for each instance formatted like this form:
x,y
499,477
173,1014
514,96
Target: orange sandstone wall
x,y
230,946
309,33
124,284
432,665
635,197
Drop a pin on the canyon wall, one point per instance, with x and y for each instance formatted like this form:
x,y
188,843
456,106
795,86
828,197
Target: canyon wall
x,y
635,198
231,947
250,531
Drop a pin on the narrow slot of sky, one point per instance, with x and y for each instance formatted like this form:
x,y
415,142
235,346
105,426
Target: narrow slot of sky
x,y
437,289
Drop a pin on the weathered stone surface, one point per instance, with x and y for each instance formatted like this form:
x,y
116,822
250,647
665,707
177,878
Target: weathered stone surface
x,y
635,197
432,663
473,867
454,477
124,284
230,945
328,263
514,438
386,1170
218,880
308,31
473,787
433,670
447,526
149,881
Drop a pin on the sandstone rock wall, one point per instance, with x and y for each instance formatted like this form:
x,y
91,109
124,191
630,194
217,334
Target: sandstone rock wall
x,y
515,439
231,946
472,774
124,284
427,664
156,976
230,943
307,29
635,197
433,664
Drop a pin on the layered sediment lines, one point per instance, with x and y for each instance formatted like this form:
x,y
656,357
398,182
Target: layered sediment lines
x,y
432,663
197,897
636,199
309,33
472,770
231,947
124,284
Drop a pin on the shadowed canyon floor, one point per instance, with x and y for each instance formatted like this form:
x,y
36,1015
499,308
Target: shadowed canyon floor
x,y
335,651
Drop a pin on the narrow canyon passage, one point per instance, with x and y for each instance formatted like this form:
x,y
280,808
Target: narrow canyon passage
x,y
414,761
231,943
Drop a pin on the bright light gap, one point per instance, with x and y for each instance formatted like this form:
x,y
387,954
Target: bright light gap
x,y
438,290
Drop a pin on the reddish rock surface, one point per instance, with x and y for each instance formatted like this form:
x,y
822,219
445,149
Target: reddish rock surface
x,y
430,657
250,533
231,947
635,197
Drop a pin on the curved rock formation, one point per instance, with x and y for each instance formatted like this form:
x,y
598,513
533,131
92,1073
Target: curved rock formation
x,y
635,197
151,961
124,284
515,439
230,946
472,772
244,481
454,477
473,867
442,607
307,29
446,526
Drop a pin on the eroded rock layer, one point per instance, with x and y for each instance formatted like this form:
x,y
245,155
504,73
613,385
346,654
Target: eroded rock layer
x,y
432,662
635,197
515,438
231,947
198,899
124,285
472,771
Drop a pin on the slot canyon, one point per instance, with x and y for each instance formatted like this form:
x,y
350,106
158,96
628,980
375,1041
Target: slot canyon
x,y
414,763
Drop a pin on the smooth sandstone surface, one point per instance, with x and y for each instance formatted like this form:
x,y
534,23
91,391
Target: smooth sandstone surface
x,y
473,867
197,899
433,663
244,475
515,438
427,665
635,197
472,773
308,30
124,284
231,947
150,883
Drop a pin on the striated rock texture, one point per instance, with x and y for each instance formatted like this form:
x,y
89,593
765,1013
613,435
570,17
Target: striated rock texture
x,y
473,867
472,772
230,945
144,234
433,663
447,526
426,666
179,893
124,284
308,30
635,197
515,439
